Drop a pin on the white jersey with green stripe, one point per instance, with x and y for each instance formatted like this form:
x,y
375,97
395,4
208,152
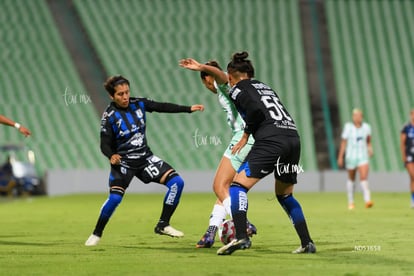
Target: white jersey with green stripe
x,y
357,140
234,120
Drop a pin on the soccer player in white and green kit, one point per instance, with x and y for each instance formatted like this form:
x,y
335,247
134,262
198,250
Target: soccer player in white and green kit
x,y
215,80
356,145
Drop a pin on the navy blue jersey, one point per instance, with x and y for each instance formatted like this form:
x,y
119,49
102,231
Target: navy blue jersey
x,y
262,110
123,130
408,130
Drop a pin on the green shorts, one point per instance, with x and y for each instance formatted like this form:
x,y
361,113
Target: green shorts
x,y
237,159
353,163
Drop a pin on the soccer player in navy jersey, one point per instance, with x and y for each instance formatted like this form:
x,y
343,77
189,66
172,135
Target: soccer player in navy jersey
x,y
124,143
407,151
276,149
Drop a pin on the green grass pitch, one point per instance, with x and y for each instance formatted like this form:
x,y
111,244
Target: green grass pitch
x,y
45,236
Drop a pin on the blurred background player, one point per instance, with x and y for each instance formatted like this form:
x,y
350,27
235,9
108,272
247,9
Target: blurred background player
x,y
276,141
9,122
407,151
356,145
215,80
124,143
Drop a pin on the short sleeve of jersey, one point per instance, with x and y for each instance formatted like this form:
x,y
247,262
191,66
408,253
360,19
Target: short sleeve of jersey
x,y
368,126
405,129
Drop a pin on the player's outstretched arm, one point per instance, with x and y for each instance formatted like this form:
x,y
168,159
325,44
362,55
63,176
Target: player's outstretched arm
x,y
197,107
192,64
6,121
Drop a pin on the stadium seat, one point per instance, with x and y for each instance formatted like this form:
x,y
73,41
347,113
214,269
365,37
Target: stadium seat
x,y
372,52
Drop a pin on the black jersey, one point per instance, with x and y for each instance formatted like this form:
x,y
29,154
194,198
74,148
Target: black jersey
x,y
123,130
262,110
408,130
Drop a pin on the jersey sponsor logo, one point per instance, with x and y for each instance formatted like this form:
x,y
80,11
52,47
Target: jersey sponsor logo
x,y
123,133
264,172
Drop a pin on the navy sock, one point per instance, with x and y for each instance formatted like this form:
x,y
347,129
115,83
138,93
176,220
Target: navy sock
x,y
175,187
295,213
107,210
239,206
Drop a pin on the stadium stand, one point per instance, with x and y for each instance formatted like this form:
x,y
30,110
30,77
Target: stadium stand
x,y
372,46
37,73
143,40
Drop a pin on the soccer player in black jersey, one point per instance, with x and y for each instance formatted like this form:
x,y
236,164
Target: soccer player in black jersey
x,y
124,143
276,149
407,151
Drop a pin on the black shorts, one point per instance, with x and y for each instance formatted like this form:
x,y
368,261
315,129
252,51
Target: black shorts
x,y
280,155
409,157
150,169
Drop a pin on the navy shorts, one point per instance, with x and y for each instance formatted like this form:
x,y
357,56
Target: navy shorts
x,y
409,157
280,155
151,169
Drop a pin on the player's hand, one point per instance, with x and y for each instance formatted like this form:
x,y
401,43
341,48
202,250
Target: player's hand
x,y
238,147
340,162
197,107
24,131
115,159
370,151
191,64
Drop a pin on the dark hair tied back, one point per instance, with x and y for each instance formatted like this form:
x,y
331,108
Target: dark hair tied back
x,y
240,57
240,63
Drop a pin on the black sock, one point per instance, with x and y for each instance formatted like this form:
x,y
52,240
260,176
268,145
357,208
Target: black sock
x,y
100,225
303,233
166,214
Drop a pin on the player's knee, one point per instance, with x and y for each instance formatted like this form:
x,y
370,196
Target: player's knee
x,y
282,198
115,198
111,203
115,195
174,179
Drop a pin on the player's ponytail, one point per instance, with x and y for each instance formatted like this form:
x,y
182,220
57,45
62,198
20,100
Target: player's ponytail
x,y
240,63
